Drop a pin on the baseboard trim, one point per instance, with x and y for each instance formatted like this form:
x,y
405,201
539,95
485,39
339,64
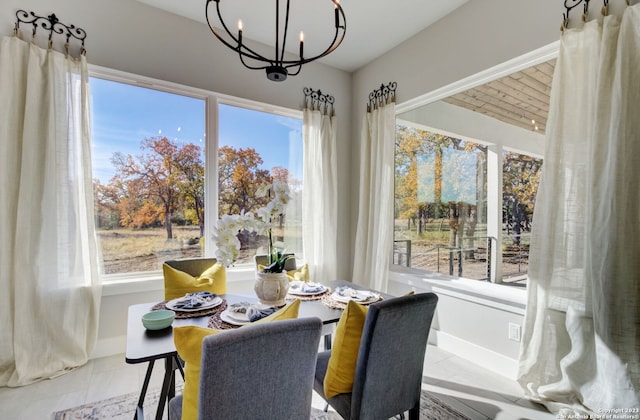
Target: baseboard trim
x,y
481,356
109,347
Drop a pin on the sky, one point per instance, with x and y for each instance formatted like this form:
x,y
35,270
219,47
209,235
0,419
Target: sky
x,y
123,115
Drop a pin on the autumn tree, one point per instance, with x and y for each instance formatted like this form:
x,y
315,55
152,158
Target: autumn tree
x,y
153,176
189,179
408,144
106,202
239,177
521,176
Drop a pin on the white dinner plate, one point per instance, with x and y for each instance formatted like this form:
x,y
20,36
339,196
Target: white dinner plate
x,y
233,320
217,301
296,287
344,295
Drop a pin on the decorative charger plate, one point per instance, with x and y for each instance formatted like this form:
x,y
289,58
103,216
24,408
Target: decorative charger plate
x,y
302,288
172,304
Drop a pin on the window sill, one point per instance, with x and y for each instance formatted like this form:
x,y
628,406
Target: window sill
x,y
507,298
123,285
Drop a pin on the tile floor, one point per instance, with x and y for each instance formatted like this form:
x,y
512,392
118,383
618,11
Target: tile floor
x,y
472,390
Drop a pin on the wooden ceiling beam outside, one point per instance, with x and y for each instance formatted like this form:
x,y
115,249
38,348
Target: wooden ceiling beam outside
x,y
515,99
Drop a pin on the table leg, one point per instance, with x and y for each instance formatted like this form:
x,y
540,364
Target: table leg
x,y
168,385
327,342
147,377
179,363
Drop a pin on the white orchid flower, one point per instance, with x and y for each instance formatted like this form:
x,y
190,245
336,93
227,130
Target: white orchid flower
x,y
225,233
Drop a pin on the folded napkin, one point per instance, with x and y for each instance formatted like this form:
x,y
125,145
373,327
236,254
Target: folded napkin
x,y
364,296
305,286
309,287
239,308
255,314
204,295
194,300
346,291
356,295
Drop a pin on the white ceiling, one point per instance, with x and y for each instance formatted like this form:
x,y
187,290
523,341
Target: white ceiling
x,y
373,26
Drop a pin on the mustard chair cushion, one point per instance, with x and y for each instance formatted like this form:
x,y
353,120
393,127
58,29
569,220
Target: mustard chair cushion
x,y
178,283
301,273
188,341
344,353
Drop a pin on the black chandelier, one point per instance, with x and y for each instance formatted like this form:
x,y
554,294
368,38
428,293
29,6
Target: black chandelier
x,y
277,68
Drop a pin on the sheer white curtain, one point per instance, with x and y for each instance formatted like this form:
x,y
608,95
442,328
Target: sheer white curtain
x,y
320,194
374,231
48,259
581,347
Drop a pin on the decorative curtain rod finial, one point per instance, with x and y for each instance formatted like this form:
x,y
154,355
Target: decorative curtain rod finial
x,y
315,99
52,24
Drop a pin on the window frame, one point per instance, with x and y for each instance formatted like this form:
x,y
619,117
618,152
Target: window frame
x,y
242,272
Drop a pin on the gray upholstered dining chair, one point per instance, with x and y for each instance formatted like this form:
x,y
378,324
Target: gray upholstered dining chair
x,y
390,359
193,266
262,371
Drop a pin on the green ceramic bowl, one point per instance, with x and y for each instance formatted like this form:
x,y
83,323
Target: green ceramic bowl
x,y
157,320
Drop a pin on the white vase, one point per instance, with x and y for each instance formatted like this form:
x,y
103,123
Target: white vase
x,y
271,288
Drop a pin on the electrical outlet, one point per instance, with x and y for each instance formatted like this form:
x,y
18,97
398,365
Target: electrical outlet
x,y
515,332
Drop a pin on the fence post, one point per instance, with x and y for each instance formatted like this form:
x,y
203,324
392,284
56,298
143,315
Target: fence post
x,y
451,261
489,258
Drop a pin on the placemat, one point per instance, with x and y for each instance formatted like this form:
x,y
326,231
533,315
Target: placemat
x,y
334,304
308,297
217,323
193,314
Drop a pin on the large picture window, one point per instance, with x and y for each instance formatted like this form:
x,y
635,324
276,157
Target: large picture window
x,y
150,167
440,203
442,185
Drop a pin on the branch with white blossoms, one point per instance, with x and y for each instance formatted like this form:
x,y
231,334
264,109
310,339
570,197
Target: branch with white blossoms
x,y
225,233
279,194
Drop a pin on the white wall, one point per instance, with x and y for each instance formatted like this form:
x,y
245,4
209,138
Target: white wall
x,y
472,318
477,36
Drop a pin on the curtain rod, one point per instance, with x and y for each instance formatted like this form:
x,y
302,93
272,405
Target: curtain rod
x,y
381,96
569,5
315,100
51,24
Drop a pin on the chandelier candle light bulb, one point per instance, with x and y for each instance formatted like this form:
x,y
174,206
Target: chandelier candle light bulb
x,y
301,43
